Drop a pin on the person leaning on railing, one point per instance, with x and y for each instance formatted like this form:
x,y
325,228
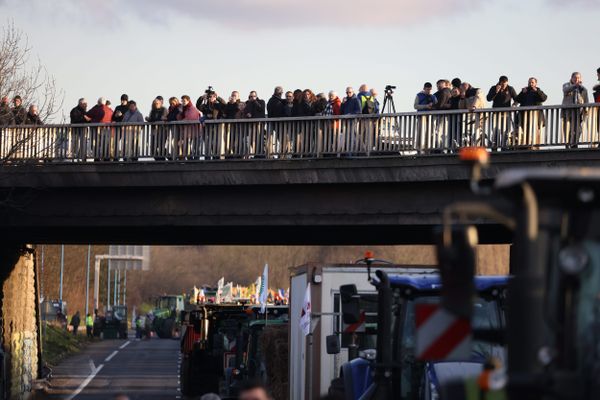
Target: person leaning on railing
x,y
572,119
531,122
596,109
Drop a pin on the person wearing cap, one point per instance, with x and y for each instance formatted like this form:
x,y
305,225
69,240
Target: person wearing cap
x,y
6,115
18,111
121,109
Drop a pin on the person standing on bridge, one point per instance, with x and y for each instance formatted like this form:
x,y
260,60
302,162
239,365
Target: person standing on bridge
x,y
121,109
6,116
442,96
531,122
89,325
18,111
33,116
574,93
425,101
187,143
350,106
131,134
75,321
275,104
158,134
502,95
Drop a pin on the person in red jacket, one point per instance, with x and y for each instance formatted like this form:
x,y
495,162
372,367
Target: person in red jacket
x,y
189,137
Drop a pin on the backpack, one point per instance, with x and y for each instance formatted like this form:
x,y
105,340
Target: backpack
x,y
369,105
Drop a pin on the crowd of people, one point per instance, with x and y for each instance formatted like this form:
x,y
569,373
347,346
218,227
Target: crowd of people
x,y
450,95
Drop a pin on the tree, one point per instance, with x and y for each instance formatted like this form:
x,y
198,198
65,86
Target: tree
x,y
20,75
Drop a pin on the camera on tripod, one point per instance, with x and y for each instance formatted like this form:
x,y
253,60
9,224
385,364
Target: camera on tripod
x,y
390,89
209,91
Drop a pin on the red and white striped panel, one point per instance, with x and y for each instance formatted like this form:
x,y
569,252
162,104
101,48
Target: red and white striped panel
x,y
441,335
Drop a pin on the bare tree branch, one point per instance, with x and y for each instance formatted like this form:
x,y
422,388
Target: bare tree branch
x,y
20,75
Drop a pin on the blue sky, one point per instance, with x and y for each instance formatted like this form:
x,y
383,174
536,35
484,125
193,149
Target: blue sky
x,y
149,47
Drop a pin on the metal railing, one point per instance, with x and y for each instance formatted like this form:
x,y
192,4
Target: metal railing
x,y
416,133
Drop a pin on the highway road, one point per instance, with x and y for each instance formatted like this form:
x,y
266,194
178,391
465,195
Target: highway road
x,y
147,369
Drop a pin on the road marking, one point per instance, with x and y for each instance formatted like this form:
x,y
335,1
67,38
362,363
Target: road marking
x,y
114,353
124,345
86,381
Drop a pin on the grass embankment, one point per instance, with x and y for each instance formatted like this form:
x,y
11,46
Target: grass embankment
x,y
58,344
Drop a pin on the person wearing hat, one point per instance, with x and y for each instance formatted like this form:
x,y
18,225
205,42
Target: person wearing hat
x,y
121,109
18,111
6,116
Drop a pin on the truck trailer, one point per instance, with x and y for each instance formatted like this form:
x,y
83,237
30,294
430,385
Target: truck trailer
x,y
311,367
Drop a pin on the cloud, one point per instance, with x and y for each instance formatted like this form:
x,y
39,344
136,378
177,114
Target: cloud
x,y
272,14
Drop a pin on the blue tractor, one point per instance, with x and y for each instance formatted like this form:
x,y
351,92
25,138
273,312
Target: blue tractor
x,y
393,370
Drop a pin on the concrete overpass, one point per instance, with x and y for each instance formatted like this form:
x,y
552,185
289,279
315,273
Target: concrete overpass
x,y
377,200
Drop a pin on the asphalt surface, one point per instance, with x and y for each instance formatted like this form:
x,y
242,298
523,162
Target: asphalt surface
x,y
146,369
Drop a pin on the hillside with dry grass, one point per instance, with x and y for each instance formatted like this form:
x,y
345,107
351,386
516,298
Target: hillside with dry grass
x,y
175,269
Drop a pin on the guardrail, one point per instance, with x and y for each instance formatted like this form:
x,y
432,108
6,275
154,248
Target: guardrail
x,y
416,133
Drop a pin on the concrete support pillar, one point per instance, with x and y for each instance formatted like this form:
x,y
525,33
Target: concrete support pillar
x,y
20,341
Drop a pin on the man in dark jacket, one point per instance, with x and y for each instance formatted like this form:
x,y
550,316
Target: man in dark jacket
x,y
532,121
288,104
275,104
33,117
6,115
502,96
78,113
350,104
212,106
442,96
234,106
18,111
121,109
255,107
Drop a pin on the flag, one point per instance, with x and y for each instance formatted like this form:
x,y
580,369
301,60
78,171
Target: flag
x,y
227,293
306,312
220,284
264,289
194,298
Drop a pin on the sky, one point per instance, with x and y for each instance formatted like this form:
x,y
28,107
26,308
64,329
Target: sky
x,y
147,48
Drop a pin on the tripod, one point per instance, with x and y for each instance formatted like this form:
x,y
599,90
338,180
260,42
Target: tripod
x,y
388,102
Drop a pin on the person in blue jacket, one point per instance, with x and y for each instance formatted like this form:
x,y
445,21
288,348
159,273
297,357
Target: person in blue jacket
x,y
350,104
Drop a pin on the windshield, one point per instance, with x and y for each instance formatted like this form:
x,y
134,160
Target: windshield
x,y
486,314
167,302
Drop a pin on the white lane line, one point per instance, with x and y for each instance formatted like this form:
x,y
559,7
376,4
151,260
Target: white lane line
x,y
114,353
121,347
85,382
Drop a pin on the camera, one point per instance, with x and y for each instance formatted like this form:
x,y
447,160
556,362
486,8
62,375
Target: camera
x,y
209,91
390,89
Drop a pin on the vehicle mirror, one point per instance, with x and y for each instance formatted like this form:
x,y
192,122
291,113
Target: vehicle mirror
x,y
457,269
333,344
350,304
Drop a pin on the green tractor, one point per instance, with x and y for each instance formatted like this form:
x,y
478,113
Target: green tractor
x,y
167,316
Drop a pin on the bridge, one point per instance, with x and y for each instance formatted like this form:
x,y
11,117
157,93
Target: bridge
x,y
324,180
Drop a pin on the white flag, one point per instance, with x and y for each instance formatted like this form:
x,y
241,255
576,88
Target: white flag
x,y
194,298
264,289
306,312
227,295
220,290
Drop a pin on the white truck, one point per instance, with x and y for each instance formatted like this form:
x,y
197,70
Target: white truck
x,y
311,372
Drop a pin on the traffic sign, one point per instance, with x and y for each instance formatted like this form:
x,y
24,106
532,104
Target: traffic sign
x,y
441,335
